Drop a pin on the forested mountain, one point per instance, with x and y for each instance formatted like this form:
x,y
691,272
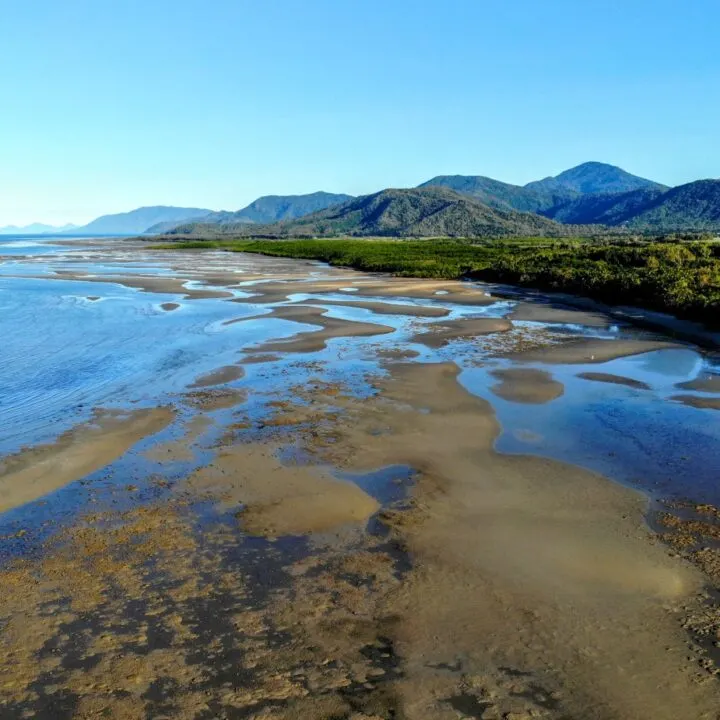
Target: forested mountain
x,y
419,212
267,209
594,177
695,206
503,195
454,205
139,221
273,208
603,208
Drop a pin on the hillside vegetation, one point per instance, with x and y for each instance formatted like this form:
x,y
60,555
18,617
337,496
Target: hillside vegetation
x,y
611,209
679,278
595,177
695,206
418,212
502,195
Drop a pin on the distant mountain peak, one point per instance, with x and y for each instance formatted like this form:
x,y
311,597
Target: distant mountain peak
x,y
36,229
136,222
595,177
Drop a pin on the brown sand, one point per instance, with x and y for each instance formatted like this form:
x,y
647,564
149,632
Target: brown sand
x,y
317,340
537,312
170,306
281,500
221,376
451,291
383,308
212,398
591,351
35,472
708,384
149,283
535,590
532,387
705,403
396,353
522,563
614,380
258,359
440,334
181,449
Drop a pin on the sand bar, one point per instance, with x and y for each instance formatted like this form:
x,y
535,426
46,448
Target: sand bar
x,y
439,334
614,380
317,340
32,473
532,387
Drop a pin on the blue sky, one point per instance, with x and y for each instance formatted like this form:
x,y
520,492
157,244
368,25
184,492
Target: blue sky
x,y
106,106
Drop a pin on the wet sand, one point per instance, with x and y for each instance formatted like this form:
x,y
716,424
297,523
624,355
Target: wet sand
x,y
153,284
441,333
537,312
280,500
317,339
453,291
591,351
35,472
708,384
383,308
534,587
533,387
706,403
221,376
614,380
292,573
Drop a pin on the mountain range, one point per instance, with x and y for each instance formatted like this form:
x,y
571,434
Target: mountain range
x,y
423,212
597,194
36,229
592,194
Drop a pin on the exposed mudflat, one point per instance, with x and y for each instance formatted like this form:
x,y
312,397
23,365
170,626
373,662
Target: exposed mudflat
x,y
36,471
592,351
441,333
299,504
527,386
614,380
706,383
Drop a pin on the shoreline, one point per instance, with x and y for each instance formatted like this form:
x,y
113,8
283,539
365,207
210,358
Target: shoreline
x,y
332,544
491,262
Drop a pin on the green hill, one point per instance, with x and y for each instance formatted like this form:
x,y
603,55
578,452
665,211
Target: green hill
x,y
264,210
503,195
604,209
275,208
695,206
593,177
418,212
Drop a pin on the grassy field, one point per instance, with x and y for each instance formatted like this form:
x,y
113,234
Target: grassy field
x,y
682,278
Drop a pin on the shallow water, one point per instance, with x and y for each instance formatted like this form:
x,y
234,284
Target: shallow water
x,y
69,346
640,437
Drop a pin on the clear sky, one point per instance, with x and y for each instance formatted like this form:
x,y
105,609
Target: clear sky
x,y
107,105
